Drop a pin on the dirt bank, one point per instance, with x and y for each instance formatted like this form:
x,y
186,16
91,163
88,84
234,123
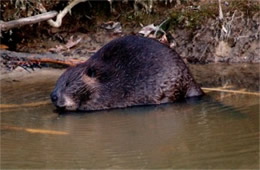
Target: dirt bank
x,y
198,34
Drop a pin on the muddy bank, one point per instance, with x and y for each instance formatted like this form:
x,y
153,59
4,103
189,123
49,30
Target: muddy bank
x,y
197,33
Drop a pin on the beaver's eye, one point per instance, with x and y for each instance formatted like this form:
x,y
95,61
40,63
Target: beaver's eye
x,y
91,72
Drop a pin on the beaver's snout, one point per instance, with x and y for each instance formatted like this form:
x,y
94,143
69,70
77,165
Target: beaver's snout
x,y
56,100
54,97
62,101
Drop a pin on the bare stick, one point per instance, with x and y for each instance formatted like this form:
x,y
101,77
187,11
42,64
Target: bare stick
x,y
67,9
4,26
220,10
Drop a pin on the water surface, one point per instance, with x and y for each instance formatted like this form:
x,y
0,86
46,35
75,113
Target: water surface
x,y
219,131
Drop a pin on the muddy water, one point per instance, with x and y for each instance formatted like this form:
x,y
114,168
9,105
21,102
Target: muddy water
x,y
218,131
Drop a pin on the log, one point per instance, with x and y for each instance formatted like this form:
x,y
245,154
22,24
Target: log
x,y
41,58
4,26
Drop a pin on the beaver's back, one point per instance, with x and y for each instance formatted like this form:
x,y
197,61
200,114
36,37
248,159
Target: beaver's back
x,y
145,69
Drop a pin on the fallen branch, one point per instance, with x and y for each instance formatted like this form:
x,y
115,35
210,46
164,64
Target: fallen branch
x,y
60,16
40,58
4,26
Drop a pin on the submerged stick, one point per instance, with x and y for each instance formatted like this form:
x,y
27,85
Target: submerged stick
x,y
34,104
231,91
30,130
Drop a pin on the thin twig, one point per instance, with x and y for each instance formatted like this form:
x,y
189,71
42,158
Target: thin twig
x,y
220,10
67,9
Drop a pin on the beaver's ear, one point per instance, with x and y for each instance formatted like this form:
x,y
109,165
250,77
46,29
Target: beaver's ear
x,y
91,72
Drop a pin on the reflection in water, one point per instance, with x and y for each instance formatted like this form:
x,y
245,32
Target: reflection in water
x,y
239,76
219,131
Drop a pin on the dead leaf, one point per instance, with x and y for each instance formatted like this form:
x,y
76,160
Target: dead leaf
x,y
145,31
112,26
71,43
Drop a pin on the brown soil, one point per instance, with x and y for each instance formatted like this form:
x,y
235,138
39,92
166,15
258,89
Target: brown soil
x,y
196,32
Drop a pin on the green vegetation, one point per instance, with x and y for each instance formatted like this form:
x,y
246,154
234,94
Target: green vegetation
x,y
193,18
188,14
248,7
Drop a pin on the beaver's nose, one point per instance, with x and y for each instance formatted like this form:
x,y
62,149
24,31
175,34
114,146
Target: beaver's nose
x,y
54,97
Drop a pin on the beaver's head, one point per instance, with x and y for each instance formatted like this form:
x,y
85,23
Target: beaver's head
x,y
77,88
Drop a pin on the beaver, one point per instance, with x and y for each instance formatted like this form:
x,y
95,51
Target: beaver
x,y
128,71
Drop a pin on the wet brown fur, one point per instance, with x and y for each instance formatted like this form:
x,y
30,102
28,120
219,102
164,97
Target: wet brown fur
x,y
128,71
